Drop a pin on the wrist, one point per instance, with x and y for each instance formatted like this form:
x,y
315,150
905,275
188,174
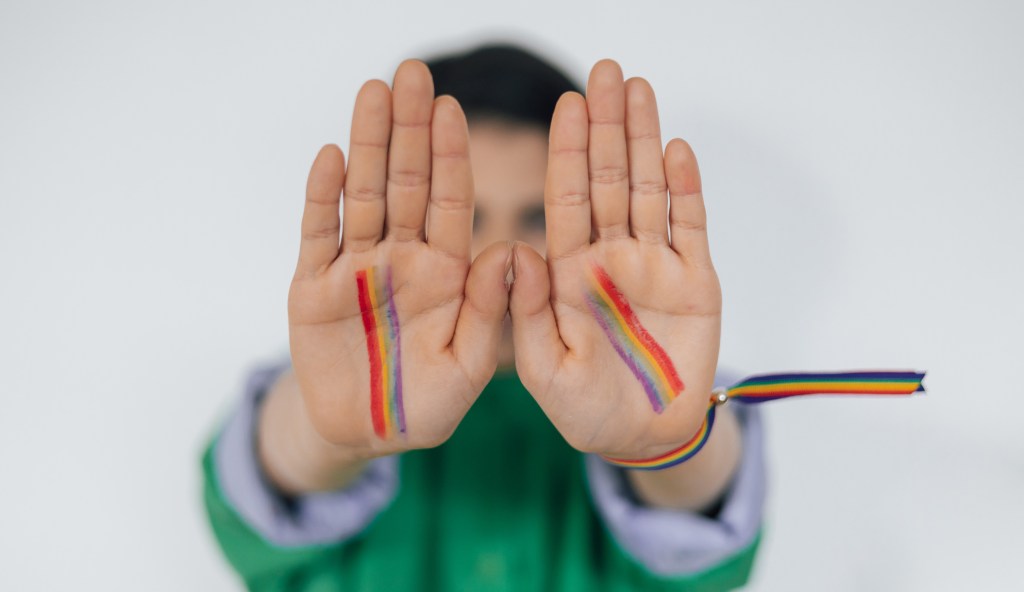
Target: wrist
x,y
700,481
657,457
293,455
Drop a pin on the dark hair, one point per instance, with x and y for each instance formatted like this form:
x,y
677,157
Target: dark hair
x,y
501,81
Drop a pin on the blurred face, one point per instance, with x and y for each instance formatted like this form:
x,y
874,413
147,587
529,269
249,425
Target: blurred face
x,y
509,165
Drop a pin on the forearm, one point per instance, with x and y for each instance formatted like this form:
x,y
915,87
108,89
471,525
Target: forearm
x,y
292,454
700,481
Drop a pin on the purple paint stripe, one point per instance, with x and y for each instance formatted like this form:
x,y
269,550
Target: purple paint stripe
x,y
638,364
641,356
642,362
604,320
396,365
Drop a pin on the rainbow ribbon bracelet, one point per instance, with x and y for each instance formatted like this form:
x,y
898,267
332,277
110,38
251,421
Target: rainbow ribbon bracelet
x,y
768,387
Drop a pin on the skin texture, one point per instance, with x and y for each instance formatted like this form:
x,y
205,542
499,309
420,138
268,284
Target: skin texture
x,y
609,196
509,166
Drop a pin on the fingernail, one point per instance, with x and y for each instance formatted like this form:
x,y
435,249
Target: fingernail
x,y
514,246
510,274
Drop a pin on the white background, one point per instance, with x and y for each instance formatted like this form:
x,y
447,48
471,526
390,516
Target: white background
x,y
862,170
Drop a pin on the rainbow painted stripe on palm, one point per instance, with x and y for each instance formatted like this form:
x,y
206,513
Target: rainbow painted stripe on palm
x,y
384,349
768,387
645,358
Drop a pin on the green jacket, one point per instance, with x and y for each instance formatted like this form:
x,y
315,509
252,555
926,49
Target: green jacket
x,y
503,505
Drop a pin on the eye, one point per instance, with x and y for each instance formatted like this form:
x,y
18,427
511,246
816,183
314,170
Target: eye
x,y
532,219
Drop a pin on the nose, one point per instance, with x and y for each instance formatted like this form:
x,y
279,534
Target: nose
x,y
493,229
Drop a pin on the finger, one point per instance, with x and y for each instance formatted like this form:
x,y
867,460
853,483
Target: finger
x,y
320,219
479,326
687,217
366,178
538,345
609,174
450,217
648,205
567,187
409,154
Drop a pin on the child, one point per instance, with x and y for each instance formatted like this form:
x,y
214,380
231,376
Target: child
x,y
448,366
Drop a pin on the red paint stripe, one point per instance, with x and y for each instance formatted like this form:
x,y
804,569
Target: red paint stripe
x,y
373,352
652,346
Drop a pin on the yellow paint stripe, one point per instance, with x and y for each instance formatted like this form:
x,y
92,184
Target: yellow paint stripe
x,y
390,419
371,281
637,344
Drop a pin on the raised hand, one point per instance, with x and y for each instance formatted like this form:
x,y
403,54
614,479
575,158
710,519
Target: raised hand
x,y
393,334
617,333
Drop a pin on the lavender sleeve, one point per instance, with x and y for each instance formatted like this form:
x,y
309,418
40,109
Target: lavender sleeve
x,y
678,542
311,519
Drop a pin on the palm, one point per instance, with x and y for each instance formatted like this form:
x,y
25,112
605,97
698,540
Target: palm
x,y
327,330
607,206
409,156
684,320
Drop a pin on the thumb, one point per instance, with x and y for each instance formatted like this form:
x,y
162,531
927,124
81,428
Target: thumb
x,y
538,345
478,328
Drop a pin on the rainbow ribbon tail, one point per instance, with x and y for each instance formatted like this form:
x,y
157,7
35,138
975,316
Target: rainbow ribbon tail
x,y
769,387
